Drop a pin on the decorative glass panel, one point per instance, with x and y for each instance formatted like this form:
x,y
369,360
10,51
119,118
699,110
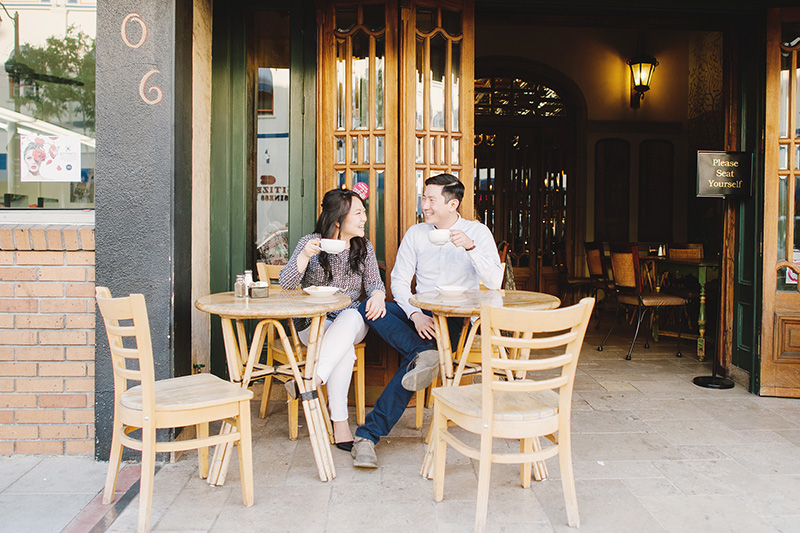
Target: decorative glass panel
x,y
379,150
783,123
420,150
341,80
354,149
455,95
380,200
340,151
783,207
420,83
380,70
420,183
442,142
783,157
374,16
426,19
360,88
346,18
796,213
454,151
432,151
438,66
365,151
507,96
340,180
451,22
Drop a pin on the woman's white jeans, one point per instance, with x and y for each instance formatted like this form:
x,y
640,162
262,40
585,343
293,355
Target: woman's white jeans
x,y
337,356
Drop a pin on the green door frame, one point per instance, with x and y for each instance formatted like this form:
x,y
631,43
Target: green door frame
x,y
233,138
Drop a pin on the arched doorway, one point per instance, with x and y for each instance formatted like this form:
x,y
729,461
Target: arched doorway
x,y
529,172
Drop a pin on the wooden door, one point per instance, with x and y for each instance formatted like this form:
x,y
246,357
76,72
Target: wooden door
x,y
394,102
780,328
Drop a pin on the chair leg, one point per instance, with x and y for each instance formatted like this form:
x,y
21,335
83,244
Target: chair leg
x,y
245,448
146,477
640,313
293,417
484,480
262,413
567,476
616,319
439,452
525,470
361,401
113,465
680,326
419,409
202,453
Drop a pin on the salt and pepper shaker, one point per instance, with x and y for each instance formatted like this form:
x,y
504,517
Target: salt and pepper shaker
x,y
248,281
239,288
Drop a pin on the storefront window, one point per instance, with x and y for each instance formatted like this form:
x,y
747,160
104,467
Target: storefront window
x,y
47,105
269,45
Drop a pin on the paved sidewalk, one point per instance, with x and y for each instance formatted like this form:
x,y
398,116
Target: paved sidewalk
x,y
652,452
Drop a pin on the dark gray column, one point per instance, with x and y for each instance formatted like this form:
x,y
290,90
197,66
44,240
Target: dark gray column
x,y
143,189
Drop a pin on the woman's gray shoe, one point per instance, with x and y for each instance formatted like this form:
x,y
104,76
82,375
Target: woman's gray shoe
x,y
421,371
363,453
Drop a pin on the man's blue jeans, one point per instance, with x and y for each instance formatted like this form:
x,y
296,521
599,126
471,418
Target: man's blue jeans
x,y
401,334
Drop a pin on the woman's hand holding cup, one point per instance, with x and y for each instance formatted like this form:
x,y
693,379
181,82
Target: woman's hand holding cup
x,y
311,248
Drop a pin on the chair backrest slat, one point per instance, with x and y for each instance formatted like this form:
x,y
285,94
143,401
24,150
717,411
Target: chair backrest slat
x,y
626,266
533,337
131,309
528,385
685,250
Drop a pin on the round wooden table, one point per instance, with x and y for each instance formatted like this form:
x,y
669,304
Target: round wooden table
x,y
269,312
468,305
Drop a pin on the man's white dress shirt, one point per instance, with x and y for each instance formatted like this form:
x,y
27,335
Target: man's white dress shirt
x,y
445,264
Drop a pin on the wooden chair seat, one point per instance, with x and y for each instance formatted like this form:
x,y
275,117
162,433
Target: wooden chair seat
x,y
508,406
652,299
188,392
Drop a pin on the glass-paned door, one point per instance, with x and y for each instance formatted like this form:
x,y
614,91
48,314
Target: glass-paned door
x,y
394,105
780,344
358,127
438,57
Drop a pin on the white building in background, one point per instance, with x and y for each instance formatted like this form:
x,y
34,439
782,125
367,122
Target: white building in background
x,y
38,20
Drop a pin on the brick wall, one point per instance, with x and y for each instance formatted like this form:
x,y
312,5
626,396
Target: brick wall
x,y
47,318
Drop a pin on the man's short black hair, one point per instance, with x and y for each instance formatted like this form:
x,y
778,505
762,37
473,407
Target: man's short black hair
x,y
452,188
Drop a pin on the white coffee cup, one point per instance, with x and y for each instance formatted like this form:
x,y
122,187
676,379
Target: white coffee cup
x,y
332,246
439,236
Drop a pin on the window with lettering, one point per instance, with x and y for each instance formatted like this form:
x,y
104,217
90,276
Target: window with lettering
x,y
47,104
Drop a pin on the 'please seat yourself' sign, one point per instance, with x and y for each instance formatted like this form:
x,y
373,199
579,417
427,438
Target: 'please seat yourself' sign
x,y
721,174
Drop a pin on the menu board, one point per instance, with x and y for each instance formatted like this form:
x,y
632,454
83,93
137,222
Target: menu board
x,y
723,174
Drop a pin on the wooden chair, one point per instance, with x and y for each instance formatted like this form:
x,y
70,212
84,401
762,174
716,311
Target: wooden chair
x,y
530,402
598,273
275,353
192,400
570,286
626,265
685,250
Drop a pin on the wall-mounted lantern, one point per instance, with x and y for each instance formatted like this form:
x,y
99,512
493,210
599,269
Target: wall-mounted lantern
x,y
642,67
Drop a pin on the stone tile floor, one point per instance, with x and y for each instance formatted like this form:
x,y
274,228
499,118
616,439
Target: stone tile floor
x,y
652,452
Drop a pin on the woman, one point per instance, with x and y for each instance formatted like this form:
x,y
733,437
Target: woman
x,y
343,217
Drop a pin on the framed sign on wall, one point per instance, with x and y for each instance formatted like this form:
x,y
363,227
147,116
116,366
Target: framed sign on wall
x,y
723,174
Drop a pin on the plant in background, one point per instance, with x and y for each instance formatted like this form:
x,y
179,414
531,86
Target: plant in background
x,y
57,80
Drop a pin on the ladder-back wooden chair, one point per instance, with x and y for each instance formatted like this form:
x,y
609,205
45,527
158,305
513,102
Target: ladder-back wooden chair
x,y
626,265
193,400
275,353
598,273
537,354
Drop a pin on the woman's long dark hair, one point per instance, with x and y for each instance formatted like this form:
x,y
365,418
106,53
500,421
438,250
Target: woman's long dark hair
x,y
335,207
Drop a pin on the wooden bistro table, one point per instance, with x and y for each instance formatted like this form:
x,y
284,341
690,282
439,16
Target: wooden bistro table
x,y
468,305
269,312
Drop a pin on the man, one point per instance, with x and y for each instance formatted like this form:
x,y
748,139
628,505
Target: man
x,y
468,259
